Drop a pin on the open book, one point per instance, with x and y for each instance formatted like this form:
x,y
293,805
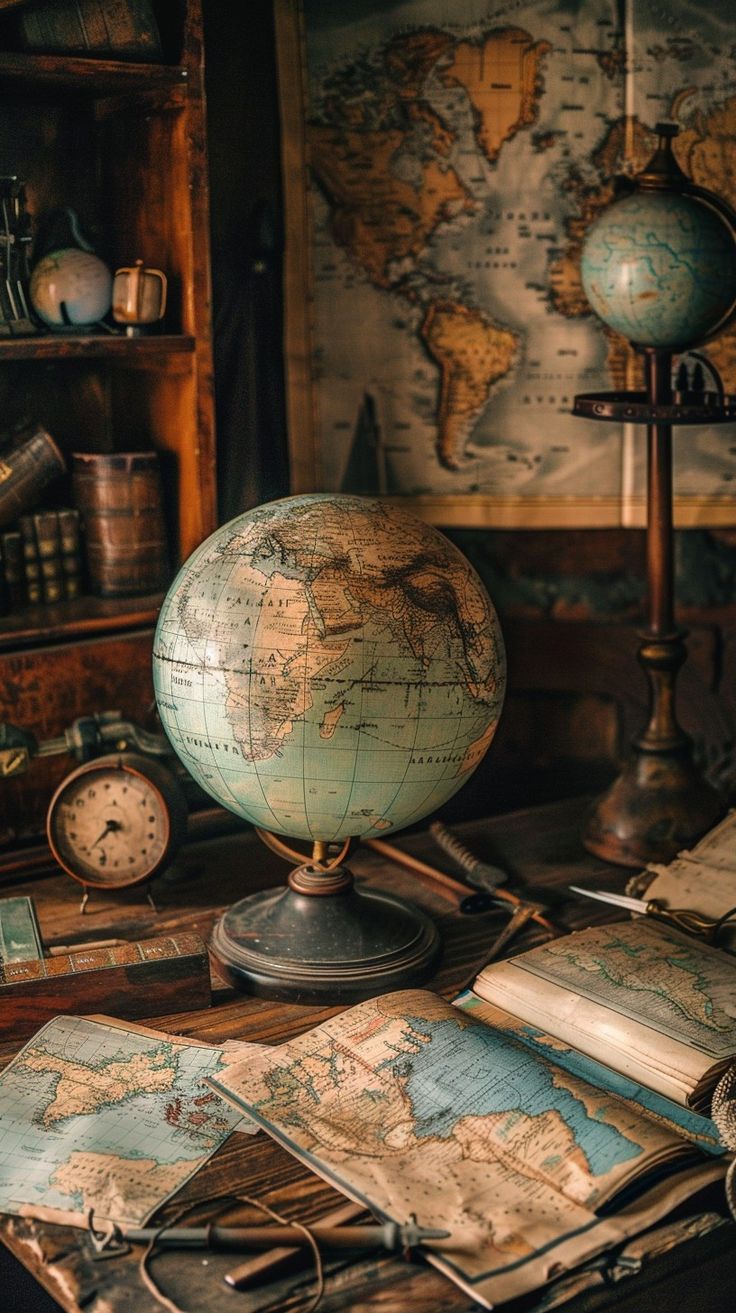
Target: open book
x,y
647,1001
479,1122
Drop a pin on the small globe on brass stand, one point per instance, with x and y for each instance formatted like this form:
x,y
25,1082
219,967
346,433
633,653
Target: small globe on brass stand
x,y
659,266
329,668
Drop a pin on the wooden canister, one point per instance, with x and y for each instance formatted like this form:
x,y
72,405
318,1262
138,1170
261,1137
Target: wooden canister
x,y
25,469
120,502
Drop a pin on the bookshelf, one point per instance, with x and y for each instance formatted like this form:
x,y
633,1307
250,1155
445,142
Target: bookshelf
x,y
123,144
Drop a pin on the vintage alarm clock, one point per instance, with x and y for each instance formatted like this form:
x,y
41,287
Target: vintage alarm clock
x,y
116,821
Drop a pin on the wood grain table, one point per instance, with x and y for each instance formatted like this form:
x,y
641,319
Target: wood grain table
x,y
541,850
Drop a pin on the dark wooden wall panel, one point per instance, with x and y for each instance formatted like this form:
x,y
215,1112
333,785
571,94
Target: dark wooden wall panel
x,y
45,689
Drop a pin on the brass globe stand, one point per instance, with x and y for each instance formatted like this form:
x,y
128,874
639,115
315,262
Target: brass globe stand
x,y
660,803
323,939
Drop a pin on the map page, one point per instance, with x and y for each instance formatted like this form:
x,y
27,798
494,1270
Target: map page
x,y
683,1121
654,1004
94,1114
410,1105
456,155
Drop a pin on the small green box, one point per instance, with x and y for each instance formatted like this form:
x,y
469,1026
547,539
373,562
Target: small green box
x,y
20,937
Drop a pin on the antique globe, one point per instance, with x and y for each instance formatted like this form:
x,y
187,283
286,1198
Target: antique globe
x,y
328,667
71,289
659,265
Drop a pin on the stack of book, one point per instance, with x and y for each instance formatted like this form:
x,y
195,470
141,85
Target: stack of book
x,y
41,559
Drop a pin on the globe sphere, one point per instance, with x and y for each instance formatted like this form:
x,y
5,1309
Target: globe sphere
x,y
660,268
71,288
328,666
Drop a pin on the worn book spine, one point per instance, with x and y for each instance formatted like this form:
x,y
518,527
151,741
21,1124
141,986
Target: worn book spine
x,y
15,580
48,544
71,551
92,27
31,564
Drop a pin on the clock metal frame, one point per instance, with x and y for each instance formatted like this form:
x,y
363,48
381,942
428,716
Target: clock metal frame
x,y
166,795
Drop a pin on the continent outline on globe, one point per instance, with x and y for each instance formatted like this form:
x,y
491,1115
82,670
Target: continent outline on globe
x,y
328,666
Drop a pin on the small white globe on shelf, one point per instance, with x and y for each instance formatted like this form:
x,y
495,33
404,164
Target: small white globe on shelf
x,y
71,288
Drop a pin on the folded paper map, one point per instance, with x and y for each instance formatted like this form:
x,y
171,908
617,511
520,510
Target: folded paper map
x,y
702,879
97,1113
412,1105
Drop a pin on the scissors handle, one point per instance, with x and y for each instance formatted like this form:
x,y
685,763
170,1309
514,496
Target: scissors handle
x,y
693,923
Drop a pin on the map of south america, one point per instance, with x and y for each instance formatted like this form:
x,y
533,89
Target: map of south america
x,y
390,186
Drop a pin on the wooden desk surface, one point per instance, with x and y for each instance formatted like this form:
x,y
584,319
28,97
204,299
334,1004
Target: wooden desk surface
x,y
541,850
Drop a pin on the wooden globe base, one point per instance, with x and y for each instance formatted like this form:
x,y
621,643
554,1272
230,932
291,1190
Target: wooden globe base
x,y
324,940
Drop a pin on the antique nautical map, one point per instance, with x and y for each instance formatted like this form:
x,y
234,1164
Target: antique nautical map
x,y
412,1106
107,1116
443,162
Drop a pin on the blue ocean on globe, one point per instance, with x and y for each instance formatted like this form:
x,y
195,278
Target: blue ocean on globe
x,y
660,268
329,666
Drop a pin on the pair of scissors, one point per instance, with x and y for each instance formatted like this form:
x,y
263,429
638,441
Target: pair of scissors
x,y
681,918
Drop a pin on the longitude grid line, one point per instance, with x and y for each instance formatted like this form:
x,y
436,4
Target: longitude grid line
x,y
304,693
408,757
170,668
419,811
225,786
251,673
409,754
192,564
361,686
194,665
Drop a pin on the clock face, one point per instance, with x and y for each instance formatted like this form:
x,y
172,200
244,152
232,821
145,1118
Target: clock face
x,y
110,822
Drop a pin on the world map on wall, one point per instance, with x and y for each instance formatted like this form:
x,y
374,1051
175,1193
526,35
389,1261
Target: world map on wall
x,y
458,155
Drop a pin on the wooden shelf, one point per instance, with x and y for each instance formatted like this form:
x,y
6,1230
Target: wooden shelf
x,y
84,617
90,77
90,346
122,143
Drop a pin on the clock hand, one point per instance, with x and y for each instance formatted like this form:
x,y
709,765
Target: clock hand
x,y
110,826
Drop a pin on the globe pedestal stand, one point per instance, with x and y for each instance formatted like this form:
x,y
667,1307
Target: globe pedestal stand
x,y
323,939
660,803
